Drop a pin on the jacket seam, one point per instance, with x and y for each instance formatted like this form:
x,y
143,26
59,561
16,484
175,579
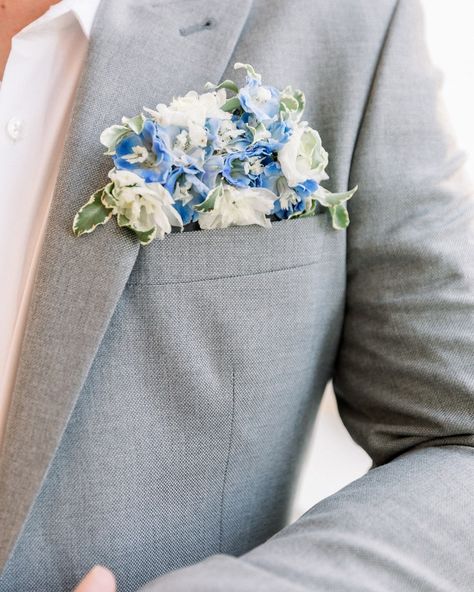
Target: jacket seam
x,y
226,467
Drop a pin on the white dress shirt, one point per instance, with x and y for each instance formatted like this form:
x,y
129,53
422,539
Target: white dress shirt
x,y
36,97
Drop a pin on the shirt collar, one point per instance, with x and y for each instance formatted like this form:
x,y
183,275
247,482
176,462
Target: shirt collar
x,y
83,10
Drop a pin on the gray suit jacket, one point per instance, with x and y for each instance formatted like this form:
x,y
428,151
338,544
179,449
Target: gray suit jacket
x,y
165,393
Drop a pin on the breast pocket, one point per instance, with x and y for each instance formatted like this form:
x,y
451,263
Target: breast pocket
x,y
236,251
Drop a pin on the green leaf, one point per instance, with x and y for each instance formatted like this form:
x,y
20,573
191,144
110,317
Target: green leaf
x,y
209,203
231,105
292,102
310,212
123,221
111,136
288,103
227,84
146,237
328,199
250,70
92,214
107,197
135,123
299,96
340,217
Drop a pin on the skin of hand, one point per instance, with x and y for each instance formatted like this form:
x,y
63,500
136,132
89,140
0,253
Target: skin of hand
x,y
99,579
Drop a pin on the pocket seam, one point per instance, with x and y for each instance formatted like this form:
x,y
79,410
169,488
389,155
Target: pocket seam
x,y
224,277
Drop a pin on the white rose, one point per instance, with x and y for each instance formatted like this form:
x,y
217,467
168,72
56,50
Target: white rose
x,y
142,206
303,156
239,207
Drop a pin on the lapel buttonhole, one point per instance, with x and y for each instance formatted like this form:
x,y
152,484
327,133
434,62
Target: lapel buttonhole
x,y
208,23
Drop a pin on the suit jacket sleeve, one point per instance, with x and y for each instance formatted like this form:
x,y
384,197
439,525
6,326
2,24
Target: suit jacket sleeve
x,y
404,377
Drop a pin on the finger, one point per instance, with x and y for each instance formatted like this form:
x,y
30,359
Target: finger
x,y
99,579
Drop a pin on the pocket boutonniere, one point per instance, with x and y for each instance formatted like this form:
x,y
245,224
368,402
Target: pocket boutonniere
x,y
217,160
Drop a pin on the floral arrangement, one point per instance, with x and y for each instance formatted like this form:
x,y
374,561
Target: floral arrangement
x,y
214,160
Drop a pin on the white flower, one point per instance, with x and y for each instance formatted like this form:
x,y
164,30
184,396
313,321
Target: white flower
x,y
182,191
303,156
191,112
139,155
141,206
288,196
238,207
226,134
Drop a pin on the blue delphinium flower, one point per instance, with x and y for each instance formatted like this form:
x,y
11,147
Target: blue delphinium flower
x,y
186,209
306,188
236,169
291,200
244,168
280,132
271,175
187,191
245,138
257,136
261,101
145,154
183,153
212,126
288,204
212,168
190,186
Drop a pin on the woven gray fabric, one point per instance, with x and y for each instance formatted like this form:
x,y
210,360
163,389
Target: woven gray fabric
x,y
165,393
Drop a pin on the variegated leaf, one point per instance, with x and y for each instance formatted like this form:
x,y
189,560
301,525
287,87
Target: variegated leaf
x,y
146,237
92,214
340,216
209,203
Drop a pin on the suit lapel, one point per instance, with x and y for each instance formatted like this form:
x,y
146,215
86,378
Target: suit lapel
x,y
140,53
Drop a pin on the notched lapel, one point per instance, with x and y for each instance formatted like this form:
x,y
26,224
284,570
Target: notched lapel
x,y
138,56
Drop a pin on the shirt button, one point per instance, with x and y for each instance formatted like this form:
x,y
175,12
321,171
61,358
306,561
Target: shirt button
x,y
14,128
